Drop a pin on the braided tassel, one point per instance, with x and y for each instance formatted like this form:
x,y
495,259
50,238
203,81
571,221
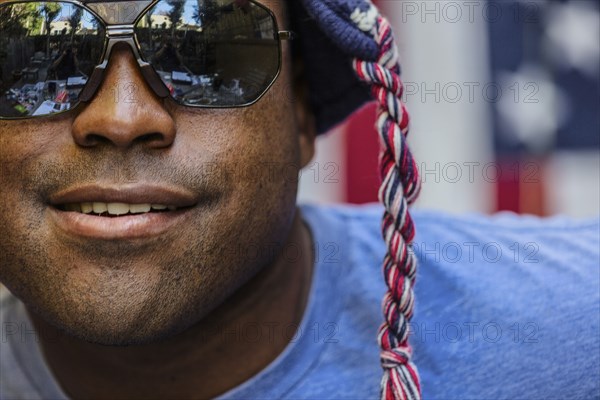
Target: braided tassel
x,y
400,186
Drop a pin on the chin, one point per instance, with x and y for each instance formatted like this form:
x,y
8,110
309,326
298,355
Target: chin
x,y
122,313
111,328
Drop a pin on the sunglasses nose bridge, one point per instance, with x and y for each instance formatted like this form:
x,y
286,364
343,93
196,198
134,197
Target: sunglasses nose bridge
x,y
115,36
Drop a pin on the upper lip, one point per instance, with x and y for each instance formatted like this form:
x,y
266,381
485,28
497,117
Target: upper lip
x,y
130,194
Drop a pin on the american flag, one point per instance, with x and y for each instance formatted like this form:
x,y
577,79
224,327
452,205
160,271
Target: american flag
x,y
504,94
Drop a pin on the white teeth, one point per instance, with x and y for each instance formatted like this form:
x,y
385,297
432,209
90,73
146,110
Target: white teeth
x,y
118,208
139,208
100,208
115,208
87,208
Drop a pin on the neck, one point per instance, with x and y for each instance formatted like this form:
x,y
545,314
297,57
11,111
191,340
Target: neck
x,y
230,345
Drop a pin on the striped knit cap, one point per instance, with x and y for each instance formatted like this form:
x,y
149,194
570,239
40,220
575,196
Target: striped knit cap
x,y
359,47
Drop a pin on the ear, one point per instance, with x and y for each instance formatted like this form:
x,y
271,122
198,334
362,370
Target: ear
x,y
305,119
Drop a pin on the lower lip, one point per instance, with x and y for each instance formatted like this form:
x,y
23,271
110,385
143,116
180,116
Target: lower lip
x,y
135,226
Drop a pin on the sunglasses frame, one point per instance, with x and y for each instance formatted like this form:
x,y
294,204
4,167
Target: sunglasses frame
x,y
125,33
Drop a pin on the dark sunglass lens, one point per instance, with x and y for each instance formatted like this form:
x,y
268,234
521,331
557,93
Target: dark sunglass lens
x,y
211,52
47,52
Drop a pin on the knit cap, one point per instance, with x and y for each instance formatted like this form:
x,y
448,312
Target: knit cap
x,y
330,34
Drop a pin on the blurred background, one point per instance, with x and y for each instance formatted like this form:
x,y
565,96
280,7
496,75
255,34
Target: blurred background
x,y
504,98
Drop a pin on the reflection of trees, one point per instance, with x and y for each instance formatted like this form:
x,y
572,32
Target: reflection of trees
x,y
235,19
175,13
14,20
207,14
49,11
35,21
10,26
74,20
148,18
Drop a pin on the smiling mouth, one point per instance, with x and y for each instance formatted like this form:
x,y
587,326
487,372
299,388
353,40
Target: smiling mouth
x,y
111,220
134,211
104,209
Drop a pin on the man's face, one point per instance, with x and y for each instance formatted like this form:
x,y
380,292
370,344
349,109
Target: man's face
x,y
117,280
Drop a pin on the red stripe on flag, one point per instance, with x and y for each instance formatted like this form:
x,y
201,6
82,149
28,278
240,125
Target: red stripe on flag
x,y
507,186
520,185
362,150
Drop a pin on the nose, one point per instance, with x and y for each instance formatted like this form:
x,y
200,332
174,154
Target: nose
x,y
124,110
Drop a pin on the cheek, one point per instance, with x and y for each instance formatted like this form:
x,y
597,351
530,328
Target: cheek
x,y
254,157
254,150
26,147
21,218
16,148
22,145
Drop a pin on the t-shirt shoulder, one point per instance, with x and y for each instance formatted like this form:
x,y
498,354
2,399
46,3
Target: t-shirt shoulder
x,y
505,220
370,215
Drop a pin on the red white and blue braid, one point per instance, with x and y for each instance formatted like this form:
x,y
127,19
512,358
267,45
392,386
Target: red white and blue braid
x,y
400,187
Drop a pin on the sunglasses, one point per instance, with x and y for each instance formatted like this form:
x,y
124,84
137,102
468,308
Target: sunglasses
x,y
201,53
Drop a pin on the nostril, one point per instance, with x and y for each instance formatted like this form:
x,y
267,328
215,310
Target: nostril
x,y
150,138
93,139
155,140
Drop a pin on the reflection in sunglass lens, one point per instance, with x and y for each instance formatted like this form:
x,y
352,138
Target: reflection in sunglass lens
x,y
47,52
211,52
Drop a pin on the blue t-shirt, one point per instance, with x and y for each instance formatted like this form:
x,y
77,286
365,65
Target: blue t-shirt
x,y
506,307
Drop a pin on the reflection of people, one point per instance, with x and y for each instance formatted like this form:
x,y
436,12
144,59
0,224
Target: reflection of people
x,y
168,57
53,50
244,5
156,252
66,64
